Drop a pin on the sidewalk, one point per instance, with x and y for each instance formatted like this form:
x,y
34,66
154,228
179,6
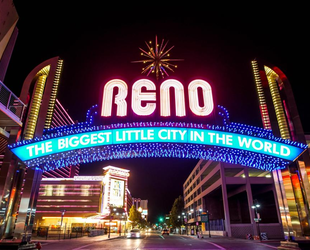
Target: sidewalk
x,y
303,244
16,244
84,238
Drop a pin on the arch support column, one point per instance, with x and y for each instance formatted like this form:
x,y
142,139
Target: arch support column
x,y
28,202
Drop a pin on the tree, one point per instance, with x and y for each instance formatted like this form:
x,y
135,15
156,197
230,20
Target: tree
x,y
134,216
176,219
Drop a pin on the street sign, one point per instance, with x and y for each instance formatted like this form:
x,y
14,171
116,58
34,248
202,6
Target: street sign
x,y
204,218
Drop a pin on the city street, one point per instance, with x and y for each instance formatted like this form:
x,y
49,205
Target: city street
x,y
154,241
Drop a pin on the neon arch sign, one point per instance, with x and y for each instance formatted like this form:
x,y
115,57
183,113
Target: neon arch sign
x,y
149,97
87,142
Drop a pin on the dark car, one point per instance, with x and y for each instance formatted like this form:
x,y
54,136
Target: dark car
x,y
165,231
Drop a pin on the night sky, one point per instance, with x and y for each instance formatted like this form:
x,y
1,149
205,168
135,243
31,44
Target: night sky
x,y
217,43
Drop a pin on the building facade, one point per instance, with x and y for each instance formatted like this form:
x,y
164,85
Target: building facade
x,y
226,193
68,202
279,113
84,201
32,114
141,206
8,34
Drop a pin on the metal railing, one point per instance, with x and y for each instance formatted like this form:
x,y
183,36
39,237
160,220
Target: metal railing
x,y
11,102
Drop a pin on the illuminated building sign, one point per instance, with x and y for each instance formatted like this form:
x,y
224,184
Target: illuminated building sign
x,y
117,191
116,171
143,98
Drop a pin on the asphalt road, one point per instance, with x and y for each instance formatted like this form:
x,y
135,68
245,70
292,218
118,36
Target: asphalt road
x,y
155,241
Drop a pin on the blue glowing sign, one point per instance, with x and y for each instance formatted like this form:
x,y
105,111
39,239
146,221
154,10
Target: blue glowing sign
x,y
142,135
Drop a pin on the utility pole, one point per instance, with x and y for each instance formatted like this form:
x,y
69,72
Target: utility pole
x,y
110,220
208,216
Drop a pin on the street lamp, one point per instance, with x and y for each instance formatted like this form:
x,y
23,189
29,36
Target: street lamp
x,y
184,220
62,216
189,215
114,209
256,206
125,219
208,217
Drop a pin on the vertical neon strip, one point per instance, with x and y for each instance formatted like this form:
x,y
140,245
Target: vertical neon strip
x,y
35,107
165,98
277,103
261,96
51,105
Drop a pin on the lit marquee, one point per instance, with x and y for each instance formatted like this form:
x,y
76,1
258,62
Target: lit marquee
x,y
84,142
92,141
148,98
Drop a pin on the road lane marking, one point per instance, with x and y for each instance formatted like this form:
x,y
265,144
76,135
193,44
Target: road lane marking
x,y
216,245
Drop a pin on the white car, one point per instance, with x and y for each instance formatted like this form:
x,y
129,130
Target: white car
x,y
134,233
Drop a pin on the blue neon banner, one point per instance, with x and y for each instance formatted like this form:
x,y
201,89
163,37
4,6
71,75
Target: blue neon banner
x,y
157,135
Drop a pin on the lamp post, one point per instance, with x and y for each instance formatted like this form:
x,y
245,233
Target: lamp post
x,y
208,217
189,214
114,209
62,216
184,218
120,226
256,206
125,219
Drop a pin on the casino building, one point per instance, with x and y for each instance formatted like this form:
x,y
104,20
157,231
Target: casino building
x,y
85,201
26,116
279,113
228,192
141,206
38,111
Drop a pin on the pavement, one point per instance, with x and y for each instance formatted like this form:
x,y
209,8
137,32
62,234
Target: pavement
x,y
271,243
298,244
16,244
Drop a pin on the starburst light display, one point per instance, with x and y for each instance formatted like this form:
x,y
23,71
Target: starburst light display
x,y
157,59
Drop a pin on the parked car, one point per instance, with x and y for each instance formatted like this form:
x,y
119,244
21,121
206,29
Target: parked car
x,y
165,231
134,233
